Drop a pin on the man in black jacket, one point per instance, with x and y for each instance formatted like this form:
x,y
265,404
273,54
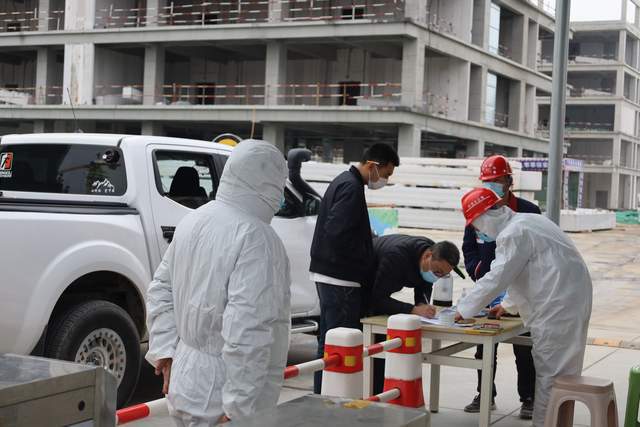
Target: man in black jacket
x,y
408,261
479,251
405,261
342,248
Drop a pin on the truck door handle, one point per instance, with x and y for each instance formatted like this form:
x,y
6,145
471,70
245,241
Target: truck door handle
x,y
167,232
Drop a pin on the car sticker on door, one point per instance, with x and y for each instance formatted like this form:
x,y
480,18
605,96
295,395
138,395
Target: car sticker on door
x,y
6,165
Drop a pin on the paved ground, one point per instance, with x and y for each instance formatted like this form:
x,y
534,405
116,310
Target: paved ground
x,y
612,258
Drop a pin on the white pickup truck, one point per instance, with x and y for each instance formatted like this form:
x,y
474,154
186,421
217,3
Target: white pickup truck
x,y
85,221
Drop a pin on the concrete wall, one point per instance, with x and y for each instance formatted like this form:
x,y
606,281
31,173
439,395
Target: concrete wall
x,y
114,68
627,119
354,65
594,182
594,152
446,14
198,70
477,89
448,79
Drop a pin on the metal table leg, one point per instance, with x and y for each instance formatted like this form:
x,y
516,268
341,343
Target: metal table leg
x,y
486,392
367,368
434,386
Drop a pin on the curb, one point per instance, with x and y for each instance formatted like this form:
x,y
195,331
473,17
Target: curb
x,y
614,343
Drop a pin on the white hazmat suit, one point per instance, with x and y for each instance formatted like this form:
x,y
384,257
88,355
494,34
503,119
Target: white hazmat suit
x,y
219,303
548,283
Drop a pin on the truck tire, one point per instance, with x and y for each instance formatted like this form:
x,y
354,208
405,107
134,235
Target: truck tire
x,y
99,333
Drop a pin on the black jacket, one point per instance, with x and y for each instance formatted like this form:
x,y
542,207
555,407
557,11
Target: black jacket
x,y
396,265
342,246
479,255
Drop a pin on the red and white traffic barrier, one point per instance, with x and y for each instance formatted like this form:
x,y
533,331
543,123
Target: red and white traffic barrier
x,y
403,365
345,378
382,346
144,410
386,396
311,366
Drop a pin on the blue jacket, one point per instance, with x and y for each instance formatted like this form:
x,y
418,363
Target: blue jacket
x,y
478,255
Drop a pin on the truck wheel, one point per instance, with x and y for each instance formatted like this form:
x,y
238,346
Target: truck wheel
x,y
102,334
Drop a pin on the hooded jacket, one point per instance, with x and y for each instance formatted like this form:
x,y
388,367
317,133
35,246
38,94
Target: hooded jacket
x,y
219,303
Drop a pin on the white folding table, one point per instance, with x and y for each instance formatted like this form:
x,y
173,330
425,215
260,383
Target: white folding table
x,y
461,339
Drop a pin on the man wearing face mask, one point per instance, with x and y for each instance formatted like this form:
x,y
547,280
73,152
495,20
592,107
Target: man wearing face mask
x,y
547,281
479,251
342,248
406,261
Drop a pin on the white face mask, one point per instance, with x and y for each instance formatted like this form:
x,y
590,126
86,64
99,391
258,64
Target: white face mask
x,y
378,183
491,221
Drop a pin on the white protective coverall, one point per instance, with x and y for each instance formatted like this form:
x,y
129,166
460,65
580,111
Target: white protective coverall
x,y
547,282
219,303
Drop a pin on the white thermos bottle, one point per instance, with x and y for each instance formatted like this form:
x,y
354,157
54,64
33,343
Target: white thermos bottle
x,y
443,292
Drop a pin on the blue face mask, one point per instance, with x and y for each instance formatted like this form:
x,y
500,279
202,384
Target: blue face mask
x,y
484,237
496,187
429,276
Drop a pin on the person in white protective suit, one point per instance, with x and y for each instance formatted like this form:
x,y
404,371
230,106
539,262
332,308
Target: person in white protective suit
x,y
546,280
218,308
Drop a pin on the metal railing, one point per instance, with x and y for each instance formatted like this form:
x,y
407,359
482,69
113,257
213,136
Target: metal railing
x,y
31,20
331,94
579,92
321,10
202,13
543,128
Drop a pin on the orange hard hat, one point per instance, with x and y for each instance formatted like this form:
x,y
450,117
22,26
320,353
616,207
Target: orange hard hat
x,y
494,167
476,202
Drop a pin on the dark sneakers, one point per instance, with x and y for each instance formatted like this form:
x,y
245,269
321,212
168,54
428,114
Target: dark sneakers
x,y
526,410
474,407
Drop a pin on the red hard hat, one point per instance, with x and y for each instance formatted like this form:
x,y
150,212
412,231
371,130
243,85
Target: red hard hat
x,y
494,167
476,202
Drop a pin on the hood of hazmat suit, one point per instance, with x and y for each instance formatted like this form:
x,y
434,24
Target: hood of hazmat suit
x,y
219,303
548,283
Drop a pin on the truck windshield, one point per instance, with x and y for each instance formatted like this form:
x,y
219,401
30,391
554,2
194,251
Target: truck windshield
x,y
62,168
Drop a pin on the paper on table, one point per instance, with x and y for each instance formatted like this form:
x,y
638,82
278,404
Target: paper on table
x,y
439,322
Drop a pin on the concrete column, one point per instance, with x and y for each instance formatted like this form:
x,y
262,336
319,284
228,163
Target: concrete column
x,y
78,78
622,42
520,39
38,126
412,79
79,59
477,93
275,72
530,110
532,45
480,27
516,105
409,140
416,10
154,65
617,149
274,133
519,152
614,198
276,10
45,68
152,128
79,14
44,6
475,149
620,82
154,10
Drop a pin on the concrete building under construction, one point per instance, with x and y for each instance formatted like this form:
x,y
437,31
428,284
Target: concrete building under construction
x,y
449,78
602,125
